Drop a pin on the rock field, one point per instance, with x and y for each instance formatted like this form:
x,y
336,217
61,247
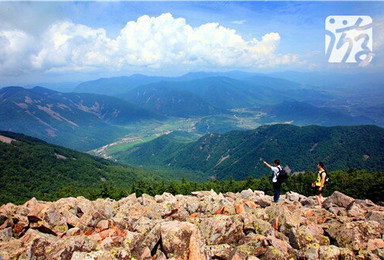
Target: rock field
x,y
203,225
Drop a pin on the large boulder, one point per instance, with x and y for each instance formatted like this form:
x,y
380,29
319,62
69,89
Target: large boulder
x,y
294,196
182,240
151,238
330,252
66,247
32,239
50,221
222,251
253,224
221,229
304,236
283,218
253,244
378,216
338,199
355,234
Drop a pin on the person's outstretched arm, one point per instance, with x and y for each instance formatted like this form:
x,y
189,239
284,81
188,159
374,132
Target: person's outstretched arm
x,y
267,164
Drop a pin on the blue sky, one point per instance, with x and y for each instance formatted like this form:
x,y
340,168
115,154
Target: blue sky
x,y
74,41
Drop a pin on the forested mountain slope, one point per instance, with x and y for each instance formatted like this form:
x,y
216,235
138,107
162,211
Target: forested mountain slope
x,y
238,154
30,167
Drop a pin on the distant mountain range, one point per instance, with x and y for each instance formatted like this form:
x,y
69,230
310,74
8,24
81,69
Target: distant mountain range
x,y
86,119
79,121
239,154
336,81
202,94
194,94
116,85
167,99
300,113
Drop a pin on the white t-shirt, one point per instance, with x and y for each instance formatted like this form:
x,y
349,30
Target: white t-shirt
x,y
275,172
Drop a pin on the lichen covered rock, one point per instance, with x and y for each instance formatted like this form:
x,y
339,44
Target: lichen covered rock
x,y
203,225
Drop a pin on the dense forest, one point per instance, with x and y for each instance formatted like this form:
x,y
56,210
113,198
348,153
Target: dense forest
x,y
239,154
30,168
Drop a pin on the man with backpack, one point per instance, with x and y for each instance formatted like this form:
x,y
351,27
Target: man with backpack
x,y
319,183
276,181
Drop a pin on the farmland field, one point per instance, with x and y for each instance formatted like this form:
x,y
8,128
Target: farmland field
x,y
192,127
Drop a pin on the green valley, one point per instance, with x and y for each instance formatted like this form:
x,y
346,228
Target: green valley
x,y
193,128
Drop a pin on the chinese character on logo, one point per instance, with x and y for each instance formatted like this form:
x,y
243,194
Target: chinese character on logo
x,y
348,39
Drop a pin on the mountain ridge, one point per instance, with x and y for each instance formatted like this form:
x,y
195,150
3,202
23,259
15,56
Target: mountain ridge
x,y
238,154
72,119
211,91
300,113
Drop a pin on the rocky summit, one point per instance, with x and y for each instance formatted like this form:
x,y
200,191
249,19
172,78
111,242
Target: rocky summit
x,y
203,225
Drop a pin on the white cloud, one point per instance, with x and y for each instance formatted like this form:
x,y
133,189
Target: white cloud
x,y
152,42
238,22
16,47
378,42
66,46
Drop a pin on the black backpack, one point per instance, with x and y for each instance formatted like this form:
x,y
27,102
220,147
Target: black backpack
x,y
282,175
327,178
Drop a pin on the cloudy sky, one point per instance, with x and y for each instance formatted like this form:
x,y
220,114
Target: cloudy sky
x,y
74,41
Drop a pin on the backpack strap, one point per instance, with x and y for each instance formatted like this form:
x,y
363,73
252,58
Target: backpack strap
x,y
321,176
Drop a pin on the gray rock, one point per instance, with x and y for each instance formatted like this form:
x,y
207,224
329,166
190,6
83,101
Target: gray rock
x,y
338,199
247,194
293,196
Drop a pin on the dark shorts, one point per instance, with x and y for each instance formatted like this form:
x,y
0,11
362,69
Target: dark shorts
x,y
317,191
276,185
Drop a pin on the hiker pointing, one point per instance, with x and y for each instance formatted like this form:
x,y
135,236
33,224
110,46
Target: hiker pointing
x,y
275,183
